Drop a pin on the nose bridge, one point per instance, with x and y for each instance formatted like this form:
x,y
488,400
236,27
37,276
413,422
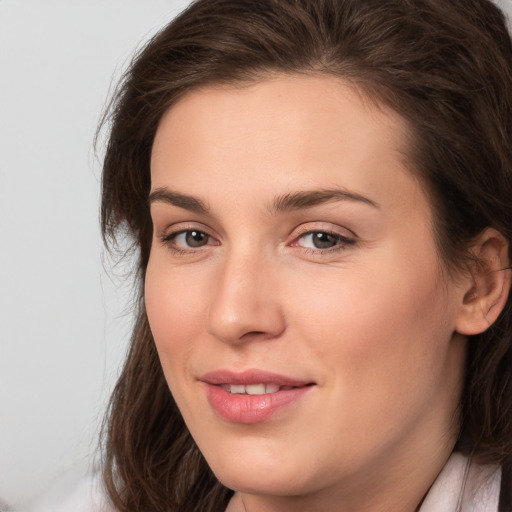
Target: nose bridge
x,y
243,303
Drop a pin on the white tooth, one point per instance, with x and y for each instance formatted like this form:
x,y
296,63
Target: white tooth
x,y
226,387
237,389
255,389
271,388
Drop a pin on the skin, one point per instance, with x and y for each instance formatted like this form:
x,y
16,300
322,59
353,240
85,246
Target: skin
x,y
371,320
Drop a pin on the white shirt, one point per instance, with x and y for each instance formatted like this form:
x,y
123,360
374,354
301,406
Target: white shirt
x,y
473,487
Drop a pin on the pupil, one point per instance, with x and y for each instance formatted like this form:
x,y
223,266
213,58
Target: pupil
x,y
323,240
196,239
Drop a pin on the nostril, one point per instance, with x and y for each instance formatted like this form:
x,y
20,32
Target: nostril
x,y
256,335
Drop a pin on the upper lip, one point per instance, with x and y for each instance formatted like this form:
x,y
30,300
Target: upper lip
x,y
252,376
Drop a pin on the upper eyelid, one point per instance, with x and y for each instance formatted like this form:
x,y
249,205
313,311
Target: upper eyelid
x,y
180,227
320,227
326,232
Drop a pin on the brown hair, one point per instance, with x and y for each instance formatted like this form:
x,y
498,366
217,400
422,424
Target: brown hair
x,y
444,65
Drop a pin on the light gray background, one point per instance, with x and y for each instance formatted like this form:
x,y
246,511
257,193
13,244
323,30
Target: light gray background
x,y
64,323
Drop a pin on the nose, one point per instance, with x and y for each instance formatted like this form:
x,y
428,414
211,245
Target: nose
x,y
244,304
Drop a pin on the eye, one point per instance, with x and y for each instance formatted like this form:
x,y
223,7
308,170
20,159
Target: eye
x,y
319,240
193,238
188,239
322,240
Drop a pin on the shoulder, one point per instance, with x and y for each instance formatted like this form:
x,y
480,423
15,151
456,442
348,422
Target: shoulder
x,y
466,486
86,495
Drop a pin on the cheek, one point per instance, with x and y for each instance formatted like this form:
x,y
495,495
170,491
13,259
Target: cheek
x,y
174,305
381,324
382,339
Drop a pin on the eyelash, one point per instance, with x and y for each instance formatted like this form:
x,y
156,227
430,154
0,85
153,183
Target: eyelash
x,y
342,241
169,241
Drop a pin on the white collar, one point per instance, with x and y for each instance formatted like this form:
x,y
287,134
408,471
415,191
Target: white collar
x,y
464,486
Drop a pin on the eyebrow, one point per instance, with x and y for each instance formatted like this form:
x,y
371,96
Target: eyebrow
x,y
191,203
287,202
309,198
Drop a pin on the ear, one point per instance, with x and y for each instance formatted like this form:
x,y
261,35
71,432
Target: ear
x,y
488,284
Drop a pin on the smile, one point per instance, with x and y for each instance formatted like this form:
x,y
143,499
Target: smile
x,y
253,389
252,396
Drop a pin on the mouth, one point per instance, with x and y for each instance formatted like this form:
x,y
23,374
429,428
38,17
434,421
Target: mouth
x,y
254,389
252,396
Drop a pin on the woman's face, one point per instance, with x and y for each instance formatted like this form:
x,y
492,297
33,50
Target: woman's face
x,y
300,311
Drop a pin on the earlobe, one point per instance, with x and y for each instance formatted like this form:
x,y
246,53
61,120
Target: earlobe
x,y
488,284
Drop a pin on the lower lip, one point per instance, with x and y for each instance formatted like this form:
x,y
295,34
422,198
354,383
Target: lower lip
x,y
242,408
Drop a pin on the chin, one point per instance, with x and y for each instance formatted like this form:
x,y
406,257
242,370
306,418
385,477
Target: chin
x,y
264,477
268,484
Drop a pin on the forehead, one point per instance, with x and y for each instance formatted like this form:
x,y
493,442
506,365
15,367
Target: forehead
x,y
286,132
313,103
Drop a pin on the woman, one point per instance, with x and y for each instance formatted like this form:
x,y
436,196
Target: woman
x,y
319,194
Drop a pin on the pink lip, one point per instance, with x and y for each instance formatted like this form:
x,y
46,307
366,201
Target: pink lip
x,y
242,408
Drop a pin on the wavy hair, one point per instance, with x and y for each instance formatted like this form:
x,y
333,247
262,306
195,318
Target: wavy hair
x,y
444,65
